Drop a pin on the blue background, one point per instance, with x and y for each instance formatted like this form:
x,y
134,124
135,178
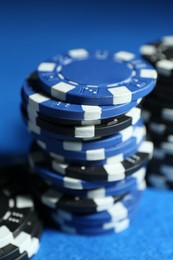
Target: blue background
x,y
31,31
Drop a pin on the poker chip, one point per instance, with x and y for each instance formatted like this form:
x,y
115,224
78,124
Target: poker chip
x,y
160,54
20,228
164,90
109,128
85,145
117,188
97,154
46,135
96,77
89,153
164,169
118,211
124,209
122,155
38,101
72,183
110,227
97,143
56,200
115,228
122,119
158,111
106,172
19,208
92,155
160,180
159,107
161,129
25,244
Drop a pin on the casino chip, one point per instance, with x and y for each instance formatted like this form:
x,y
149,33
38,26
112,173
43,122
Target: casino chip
x,y
37,101
118,211
158,112
20,228
89,152
97,154
56,200
160,54
109,128
96,77
107,172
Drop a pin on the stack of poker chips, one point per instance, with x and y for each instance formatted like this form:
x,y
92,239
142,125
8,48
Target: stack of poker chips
x,y
20,228
89,153
158,112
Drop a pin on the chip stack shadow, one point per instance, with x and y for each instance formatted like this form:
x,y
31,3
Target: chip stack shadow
x,y
158,112
89,152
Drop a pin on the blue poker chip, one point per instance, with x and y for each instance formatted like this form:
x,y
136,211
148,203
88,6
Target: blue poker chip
x,y
93,154
54,199
72,183
113,126
96,154
98,143
117,211
37,101
94,220
90,155
120,187
96,77
42,168
100,173
125,119
110,160
116,226
106,172
101,228
111,190
48,136
124,154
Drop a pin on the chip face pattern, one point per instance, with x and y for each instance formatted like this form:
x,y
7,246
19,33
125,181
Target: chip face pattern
x,y
96,77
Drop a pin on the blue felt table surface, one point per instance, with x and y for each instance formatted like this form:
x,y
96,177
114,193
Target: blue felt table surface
x,y
31,31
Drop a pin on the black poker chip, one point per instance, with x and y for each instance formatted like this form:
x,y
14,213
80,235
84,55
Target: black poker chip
x,y
15,211
34,245
104,129
160,54
74,122
18,218
158,112
164,90
159,180
105,172
156,104
22,241
55,199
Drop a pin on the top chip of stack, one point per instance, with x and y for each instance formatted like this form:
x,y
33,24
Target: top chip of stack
x,y
96,77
